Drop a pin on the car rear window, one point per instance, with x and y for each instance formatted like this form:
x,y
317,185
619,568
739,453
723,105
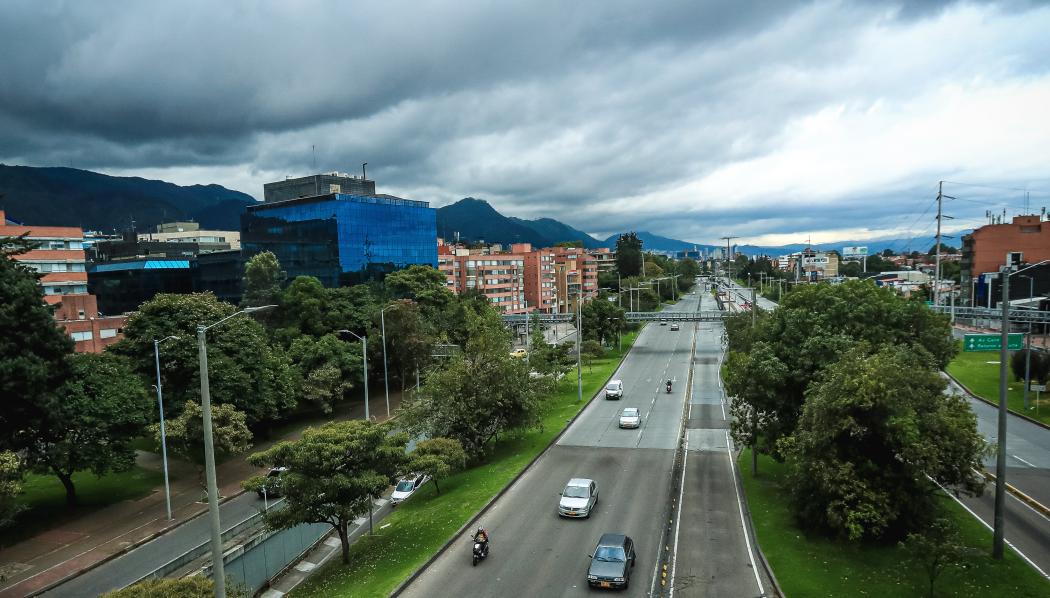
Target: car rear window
x,y
404,486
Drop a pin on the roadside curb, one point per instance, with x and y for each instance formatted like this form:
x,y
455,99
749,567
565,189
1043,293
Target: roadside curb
x,y
444,547
1021,496
994,404
121,552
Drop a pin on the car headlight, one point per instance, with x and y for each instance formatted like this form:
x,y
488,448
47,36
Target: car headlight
x,y
592,577
618,579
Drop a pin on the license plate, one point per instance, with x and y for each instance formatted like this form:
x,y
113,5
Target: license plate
x,y
605,584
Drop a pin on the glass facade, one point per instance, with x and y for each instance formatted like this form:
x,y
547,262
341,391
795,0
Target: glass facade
x,y
340,238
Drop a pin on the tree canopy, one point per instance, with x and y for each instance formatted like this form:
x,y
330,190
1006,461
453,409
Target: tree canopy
x,y
185,433
477,393
263,279
629,255
437,458
10,486
245,369
874,426
333,473
33,350
811,329
602,320
91,421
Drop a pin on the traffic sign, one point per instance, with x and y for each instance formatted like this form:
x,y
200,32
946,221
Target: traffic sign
x,y
1037,387
992,342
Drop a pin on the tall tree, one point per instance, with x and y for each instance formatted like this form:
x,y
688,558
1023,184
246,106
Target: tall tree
x,y
92,420
423,284
629,255
246,370
812,328
408,342
10,487
602,320
875,429
329,366
477,393
438,458
33,350
333,474
263,279
185,434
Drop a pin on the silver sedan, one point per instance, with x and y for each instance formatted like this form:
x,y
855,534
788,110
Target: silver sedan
x,y
630,418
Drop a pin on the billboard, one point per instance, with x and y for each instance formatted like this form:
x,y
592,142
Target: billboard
x,y
819,260
854,251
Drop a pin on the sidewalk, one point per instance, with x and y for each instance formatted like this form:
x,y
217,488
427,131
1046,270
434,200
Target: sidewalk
x,y
85,542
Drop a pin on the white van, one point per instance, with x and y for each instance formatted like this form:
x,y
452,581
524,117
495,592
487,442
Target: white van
x,y
614,389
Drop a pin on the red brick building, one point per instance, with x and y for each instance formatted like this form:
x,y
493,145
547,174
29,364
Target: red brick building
x,y
984,251
60,258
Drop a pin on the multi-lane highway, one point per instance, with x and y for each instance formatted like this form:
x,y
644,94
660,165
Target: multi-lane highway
x,y
536,553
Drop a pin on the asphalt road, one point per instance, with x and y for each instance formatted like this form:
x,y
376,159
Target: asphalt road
x,y
130,567
536,553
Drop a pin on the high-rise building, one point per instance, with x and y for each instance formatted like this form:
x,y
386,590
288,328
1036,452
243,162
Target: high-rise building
x,y
342,238
59,258
541,291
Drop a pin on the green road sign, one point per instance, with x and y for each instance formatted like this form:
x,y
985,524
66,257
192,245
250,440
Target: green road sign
x,y
992,342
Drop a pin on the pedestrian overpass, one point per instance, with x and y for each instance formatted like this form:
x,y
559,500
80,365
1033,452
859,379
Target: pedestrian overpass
x,y
631,316
984,313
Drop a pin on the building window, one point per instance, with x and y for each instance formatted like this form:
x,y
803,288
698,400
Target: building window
x,y
80,314
107,333
82,336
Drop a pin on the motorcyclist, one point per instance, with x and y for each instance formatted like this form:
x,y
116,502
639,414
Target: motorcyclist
x,y
668,385
481,536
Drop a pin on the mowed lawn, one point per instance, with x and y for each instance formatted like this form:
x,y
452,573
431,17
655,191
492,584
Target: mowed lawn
x,y
979,371
419,527
821,567
44,498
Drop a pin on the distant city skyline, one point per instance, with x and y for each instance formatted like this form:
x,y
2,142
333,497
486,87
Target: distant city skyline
x,y
776,122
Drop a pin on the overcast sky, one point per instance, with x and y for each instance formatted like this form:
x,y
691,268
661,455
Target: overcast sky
x,y
772,121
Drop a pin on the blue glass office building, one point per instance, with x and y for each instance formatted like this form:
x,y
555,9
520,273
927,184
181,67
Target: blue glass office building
x,y
341,238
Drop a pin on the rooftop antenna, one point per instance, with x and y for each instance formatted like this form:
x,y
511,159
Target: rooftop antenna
x,y
313,150
363,177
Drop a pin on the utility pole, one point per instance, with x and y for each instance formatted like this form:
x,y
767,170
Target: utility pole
x,y
937,260
1000,458
729,259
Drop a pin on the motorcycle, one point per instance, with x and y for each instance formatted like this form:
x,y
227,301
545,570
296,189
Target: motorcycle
x,y
481,550
668,387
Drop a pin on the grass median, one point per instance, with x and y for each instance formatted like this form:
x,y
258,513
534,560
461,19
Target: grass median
x,y
817,566
44,498
979,371
418,528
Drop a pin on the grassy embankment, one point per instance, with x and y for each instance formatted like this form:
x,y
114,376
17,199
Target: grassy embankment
x,y
979,371
818,566
44,498
418,528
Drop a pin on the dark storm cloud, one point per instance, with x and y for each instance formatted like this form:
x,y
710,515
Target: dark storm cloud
x,y
562,109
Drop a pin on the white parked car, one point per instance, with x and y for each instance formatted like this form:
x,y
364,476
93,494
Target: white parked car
x,y
630,418
578,498
407,486
614,389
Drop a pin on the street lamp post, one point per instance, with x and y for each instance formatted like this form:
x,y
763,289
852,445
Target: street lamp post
x,y
364,352
579,341
1028,342
163,434
218,566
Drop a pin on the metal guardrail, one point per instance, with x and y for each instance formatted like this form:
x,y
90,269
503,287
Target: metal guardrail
x,y
1016,315
543,318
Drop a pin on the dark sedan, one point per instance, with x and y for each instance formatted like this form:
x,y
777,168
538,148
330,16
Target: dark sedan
x,y
611,562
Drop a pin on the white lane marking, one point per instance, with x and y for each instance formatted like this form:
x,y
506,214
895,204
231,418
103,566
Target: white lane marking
x,y
990,528
678,521
1022,461
743,521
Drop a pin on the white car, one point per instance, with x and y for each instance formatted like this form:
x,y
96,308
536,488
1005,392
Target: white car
x,y
407,486
630,417
578,498
614,389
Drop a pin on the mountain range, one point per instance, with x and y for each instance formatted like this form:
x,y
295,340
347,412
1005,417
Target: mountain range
x,y
94,201
61,196
475,220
